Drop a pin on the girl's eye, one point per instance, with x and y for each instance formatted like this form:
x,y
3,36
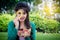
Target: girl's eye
x,y
19,13
24,13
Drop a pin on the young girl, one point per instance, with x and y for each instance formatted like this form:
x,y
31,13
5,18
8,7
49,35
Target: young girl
x,y
21,28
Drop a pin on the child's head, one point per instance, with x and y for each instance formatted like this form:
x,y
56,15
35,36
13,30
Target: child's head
x,y
22,11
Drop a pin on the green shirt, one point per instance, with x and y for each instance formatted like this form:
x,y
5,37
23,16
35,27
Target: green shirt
x,y
12,31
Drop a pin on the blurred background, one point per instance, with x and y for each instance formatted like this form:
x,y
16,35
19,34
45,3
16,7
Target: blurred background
x,y
44,13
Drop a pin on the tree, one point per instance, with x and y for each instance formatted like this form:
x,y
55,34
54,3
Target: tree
x,y
36,2
11,3
57,6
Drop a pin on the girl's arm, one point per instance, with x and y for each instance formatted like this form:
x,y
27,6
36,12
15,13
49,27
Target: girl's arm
x,y
33,34
12,32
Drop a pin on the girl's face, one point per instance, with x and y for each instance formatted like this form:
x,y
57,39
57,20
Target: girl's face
x,y
21,15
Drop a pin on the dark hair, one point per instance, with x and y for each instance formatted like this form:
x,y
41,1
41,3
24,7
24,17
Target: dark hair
x,y
22,5
25,7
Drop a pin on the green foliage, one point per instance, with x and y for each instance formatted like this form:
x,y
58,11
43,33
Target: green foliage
x,y
49,25
4,20
36,2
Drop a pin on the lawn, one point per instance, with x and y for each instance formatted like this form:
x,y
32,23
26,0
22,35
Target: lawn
x,y
48,36
39,36
3,35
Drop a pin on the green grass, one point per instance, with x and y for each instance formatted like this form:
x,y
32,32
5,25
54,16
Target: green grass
x,y
48,36
39,36
3,36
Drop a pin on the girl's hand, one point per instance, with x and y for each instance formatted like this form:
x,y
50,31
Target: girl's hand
x,y
20,33
27,32
16,22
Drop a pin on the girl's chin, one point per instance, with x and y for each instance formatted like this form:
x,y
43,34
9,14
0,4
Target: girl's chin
x,y
21,20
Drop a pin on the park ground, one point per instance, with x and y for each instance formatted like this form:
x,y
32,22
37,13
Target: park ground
x,y
39,36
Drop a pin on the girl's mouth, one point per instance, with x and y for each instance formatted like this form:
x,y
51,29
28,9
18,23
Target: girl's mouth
x,y
22,18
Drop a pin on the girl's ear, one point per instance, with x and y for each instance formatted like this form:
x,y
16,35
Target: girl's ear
x,y
16,15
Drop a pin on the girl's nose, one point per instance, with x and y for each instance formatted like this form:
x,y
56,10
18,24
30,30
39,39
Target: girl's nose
x,y
21,15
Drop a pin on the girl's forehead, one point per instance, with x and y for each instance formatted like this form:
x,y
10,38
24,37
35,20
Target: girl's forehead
x,y
20,10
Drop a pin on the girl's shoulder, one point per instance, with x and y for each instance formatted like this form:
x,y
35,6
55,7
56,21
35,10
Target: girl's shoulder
x,y
32,24
11,22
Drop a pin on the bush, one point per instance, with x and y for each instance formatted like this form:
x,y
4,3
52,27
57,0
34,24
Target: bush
x,y
4,20
48,25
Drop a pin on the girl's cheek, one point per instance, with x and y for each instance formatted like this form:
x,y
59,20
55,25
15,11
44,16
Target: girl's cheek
x,y
19,16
